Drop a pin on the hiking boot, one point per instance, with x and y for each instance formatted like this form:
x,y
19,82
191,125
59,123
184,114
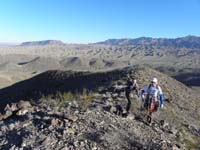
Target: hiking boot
x,y
125,114
162,122
149,119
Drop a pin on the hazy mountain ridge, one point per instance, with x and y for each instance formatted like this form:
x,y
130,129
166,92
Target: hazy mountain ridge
x,y
182,42
42,43
7,44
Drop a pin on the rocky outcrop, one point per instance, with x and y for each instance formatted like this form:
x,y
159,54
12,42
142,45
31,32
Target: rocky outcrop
x,y
19,109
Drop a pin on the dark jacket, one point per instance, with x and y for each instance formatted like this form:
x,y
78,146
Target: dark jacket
x,y
132,87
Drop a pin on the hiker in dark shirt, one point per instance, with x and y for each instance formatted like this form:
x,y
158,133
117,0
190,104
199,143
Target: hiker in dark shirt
x,y
131,86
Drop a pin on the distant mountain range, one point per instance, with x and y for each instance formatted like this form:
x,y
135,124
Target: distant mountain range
x,y
41,43
188,42
182,42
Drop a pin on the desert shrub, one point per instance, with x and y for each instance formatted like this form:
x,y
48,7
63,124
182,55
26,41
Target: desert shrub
x,y
50,100
64,97
85,98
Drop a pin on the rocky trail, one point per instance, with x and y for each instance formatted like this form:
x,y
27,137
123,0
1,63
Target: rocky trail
x,y
41,127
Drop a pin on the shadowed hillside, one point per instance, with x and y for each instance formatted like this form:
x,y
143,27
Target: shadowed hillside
x,y
51,82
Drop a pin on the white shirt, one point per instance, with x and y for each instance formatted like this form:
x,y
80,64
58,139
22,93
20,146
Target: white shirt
x,y
153,91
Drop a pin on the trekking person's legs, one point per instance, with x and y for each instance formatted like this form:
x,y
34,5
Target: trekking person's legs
x,y
149,118
129,101
151,108
157,105
146,102
149,115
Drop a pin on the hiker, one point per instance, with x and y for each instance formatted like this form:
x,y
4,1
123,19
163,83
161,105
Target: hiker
x,y
131,86
151,102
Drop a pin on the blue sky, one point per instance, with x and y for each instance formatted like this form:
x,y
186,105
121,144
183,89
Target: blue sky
x,y
83,21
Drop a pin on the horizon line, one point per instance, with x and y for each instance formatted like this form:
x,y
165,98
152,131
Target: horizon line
x,y
68,42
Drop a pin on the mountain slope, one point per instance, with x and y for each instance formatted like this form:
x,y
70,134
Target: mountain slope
x,y
50,82
99,126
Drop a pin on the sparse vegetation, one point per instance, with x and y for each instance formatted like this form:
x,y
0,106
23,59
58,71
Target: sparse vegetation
x,y
85,98
64,97
190,144
191,141
60,99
